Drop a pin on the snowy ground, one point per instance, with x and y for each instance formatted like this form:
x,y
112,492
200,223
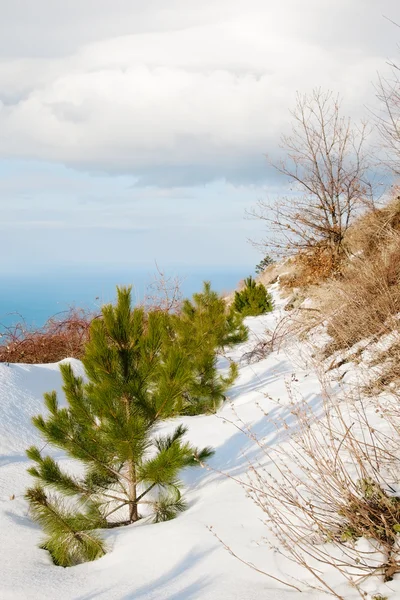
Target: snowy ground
x,y
177,560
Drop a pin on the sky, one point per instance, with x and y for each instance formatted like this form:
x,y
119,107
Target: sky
x,y
134,132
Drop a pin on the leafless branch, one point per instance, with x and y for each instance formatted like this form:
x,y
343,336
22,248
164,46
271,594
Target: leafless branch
x,y
328,166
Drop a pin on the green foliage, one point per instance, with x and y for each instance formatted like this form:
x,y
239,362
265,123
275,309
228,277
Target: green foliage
x,y
210,321
69,536
264,264
135,378
205,326
372,514
348,534
253,300
168,505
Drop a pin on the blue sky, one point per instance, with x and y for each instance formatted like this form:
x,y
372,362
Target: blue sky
x,y
136,131
58,215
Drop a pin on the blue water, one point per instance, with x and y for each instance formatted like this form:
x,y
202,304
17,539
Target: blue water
x,y
36,297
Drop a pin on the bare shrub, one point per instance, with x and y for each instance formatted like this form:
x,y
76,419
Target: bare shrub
x,y
272,340
330,492
63,336
258,352
164,292
313,266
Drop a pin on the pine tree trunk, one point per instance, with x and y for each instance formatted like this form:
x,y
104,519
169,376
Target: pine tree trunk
x,y
133,507
132,492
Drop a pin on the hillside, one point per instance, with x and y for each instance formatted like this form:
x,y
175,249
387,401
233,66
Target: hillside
x,y
180,559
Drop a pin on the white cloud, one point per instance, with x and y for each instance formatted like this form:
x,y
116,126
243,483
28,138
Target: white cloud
x,y
198,91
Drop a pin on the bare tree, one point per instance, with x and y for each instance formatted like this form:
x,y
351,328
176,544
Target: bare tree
x,y
164,292
388,92
328,165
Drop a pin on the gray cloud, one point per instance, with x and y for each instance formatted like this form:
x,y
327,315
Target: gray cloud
x,y
48,28
182,95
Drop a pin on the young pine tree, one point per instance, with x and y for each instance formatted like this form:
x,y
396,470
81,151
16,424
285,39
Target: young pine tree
x,y
266,262
253,300
204,326
135,378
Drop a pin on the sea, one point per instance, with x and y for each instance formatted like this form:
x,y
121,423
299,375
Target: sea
x,y
34,297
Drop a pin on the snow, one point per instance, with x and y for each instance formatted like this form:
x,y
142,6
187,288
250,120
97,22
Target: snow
x,y
180,559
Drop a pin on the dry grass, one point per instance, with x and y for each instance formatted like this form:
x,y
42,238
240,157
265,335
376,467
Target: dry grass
x,y
365,238
340,490
362,300
276,271
373,227
331,484
387,369
330,491
63,336
365,302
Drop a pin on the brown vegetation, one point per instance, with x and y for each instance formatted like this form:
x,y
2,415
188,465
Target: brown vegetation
x,y
387,368
330,491
63,336
361,301
330,485
312,267
365,302
66,334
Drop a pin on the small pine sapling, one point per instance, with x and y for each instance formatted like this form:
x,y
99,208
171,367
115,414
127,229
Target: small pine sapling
x,y
135,378
266,262
253,299
205,326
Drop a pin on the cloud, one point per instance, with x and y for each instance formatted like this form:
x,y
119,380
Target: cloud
x,y
179,96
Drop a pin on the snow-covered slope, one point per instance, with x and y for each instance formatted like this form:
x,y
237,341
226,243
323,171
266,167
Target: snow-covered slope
x,y
176,560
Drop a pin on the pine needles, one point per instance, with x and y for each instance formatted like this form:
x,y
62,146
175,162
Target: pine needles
x,y
253,299
70,539
141,368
